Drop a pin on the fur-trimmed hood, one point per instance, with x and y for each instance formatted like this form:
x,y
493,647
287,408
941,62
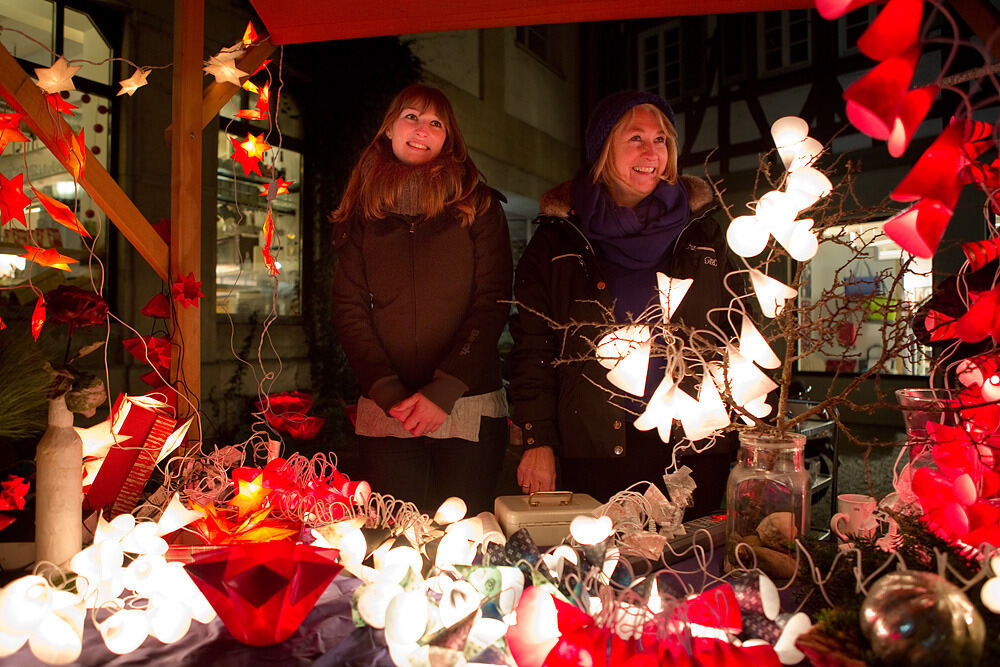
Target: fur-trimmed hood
x,y
558,201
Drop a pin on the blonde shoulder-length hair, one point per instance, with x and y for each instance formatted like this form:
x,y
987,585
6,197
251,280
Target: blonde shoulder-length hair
x,y
454,181
604,169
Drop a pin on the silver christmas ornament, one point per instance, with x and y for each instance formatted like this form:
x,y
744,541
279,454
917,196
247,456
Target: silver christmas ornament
x,y
920,618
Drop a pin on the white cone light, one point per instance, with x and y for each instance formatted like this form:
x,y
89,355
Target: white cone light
x,y
807,186
707,414
770,293
787,133
453,509
587,529
618,344
630,373
672,291
660,410
802,243
754,346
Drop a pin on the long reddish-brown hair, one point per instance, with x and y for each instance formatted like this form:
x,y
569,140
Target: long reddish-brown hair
x,y
453,181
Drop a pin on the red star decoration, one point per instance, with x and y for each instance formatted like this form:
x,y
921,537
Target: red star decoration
x,y
38,317
49,257
61,213
251,165
280,186
154,350
13,201
263,65
73,150
255,146
56,101
10,129
187,290
261,110
269,262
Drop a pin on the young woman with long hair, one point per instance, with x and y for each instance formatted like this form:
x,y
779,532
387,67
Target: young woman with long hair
x,y
420,297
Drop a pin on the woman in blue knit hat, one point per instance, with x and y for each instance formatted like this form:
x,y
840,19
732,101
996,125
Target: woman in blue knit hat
x,y
600,242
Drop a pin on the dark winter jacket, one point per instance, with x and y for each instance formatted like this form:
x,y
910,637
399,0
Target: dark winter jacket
x,y
566,405
418,305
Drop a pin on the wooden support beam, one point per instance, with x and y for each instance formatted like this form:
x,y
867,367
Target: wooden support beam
x,y
23,95
217,94
185,196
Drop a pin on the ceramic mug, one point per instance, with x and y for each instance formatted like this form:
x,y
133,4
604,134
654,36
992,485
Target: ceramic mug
x,y
854,516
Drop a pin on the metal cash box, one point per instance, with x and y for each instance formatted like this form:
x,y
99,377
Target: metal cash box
x,y
546,514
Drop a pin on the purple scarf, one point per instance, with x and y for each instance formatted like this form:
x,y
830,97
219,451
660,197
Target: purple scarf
x,y
633,238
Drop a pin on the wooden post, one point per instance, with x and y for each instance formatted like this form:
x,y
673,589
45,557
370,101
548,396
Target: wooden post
x,y
185,197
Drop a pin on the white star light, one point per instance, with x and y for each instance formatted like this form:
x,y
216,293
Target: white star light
x,y
224,70
134,82
57,78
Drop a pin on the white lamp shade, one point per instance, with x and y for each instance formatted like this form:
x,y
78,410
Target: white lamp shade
x,y
758,407
754,346
23,604
806,153
406,617
802,243
374,599
451,510
807,186
745,381
747,236
143,573
776,210
59,639
660,410
459,599
789,130
124,631
630,373
143,539
454,549
707,414
770,293
672,291
587,529
618,344
990,594
169,620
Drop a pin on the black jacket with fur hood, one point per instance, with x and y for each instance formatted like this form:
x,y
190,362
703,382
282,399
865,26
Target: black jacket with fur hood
x,y
565,405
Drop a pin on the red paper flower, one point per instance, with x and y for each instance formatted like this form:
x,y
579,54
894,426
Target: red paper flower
x,y
47,257
76,307
187,290
12,492
158,306
288,410
154,350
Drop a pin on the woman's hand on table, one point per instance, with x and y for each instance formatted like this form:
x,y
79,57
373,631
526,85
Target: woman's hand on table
x,y
537,470
418,414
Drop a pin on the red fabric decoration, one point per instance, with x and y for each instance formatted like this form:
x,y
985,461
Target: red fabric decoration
x,y
153,379
918,230
894,30
286,413
187,290
76,308
47,257
263,591
936,175
873,100
834,9
12,492
154,350
269,261
979,253
13,201
38,317
980,138
158,306
912,110
715,608
61,213
982,318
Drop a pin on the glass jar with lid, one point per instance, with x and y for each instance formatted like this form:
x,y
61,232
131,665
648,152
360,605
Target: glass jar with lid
x,y
767,503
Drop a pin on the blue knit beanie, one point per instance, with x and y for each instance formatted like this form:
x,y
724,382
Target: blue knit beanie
x,y
610,110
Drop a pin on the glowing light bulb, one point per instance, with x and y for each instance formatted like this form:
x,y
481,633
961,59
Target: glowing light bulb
x,y
747,236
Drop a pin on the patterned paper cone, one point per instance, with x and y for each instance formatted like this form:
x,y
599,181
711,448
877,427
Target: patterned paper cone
x,y
263,591
756,593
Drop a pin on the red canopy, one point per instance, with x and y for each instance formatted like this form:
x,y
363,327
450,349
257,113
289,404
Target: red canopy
x,y
296,21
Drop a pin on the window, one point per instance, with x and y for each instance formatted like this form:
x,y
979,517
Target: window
x,y
74,35
851,26
672,59
857,343
541,41
243,284
785,40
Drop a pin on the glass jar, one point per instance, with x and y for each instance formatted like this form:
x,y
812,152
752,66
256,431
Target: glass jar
x,y
767,503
